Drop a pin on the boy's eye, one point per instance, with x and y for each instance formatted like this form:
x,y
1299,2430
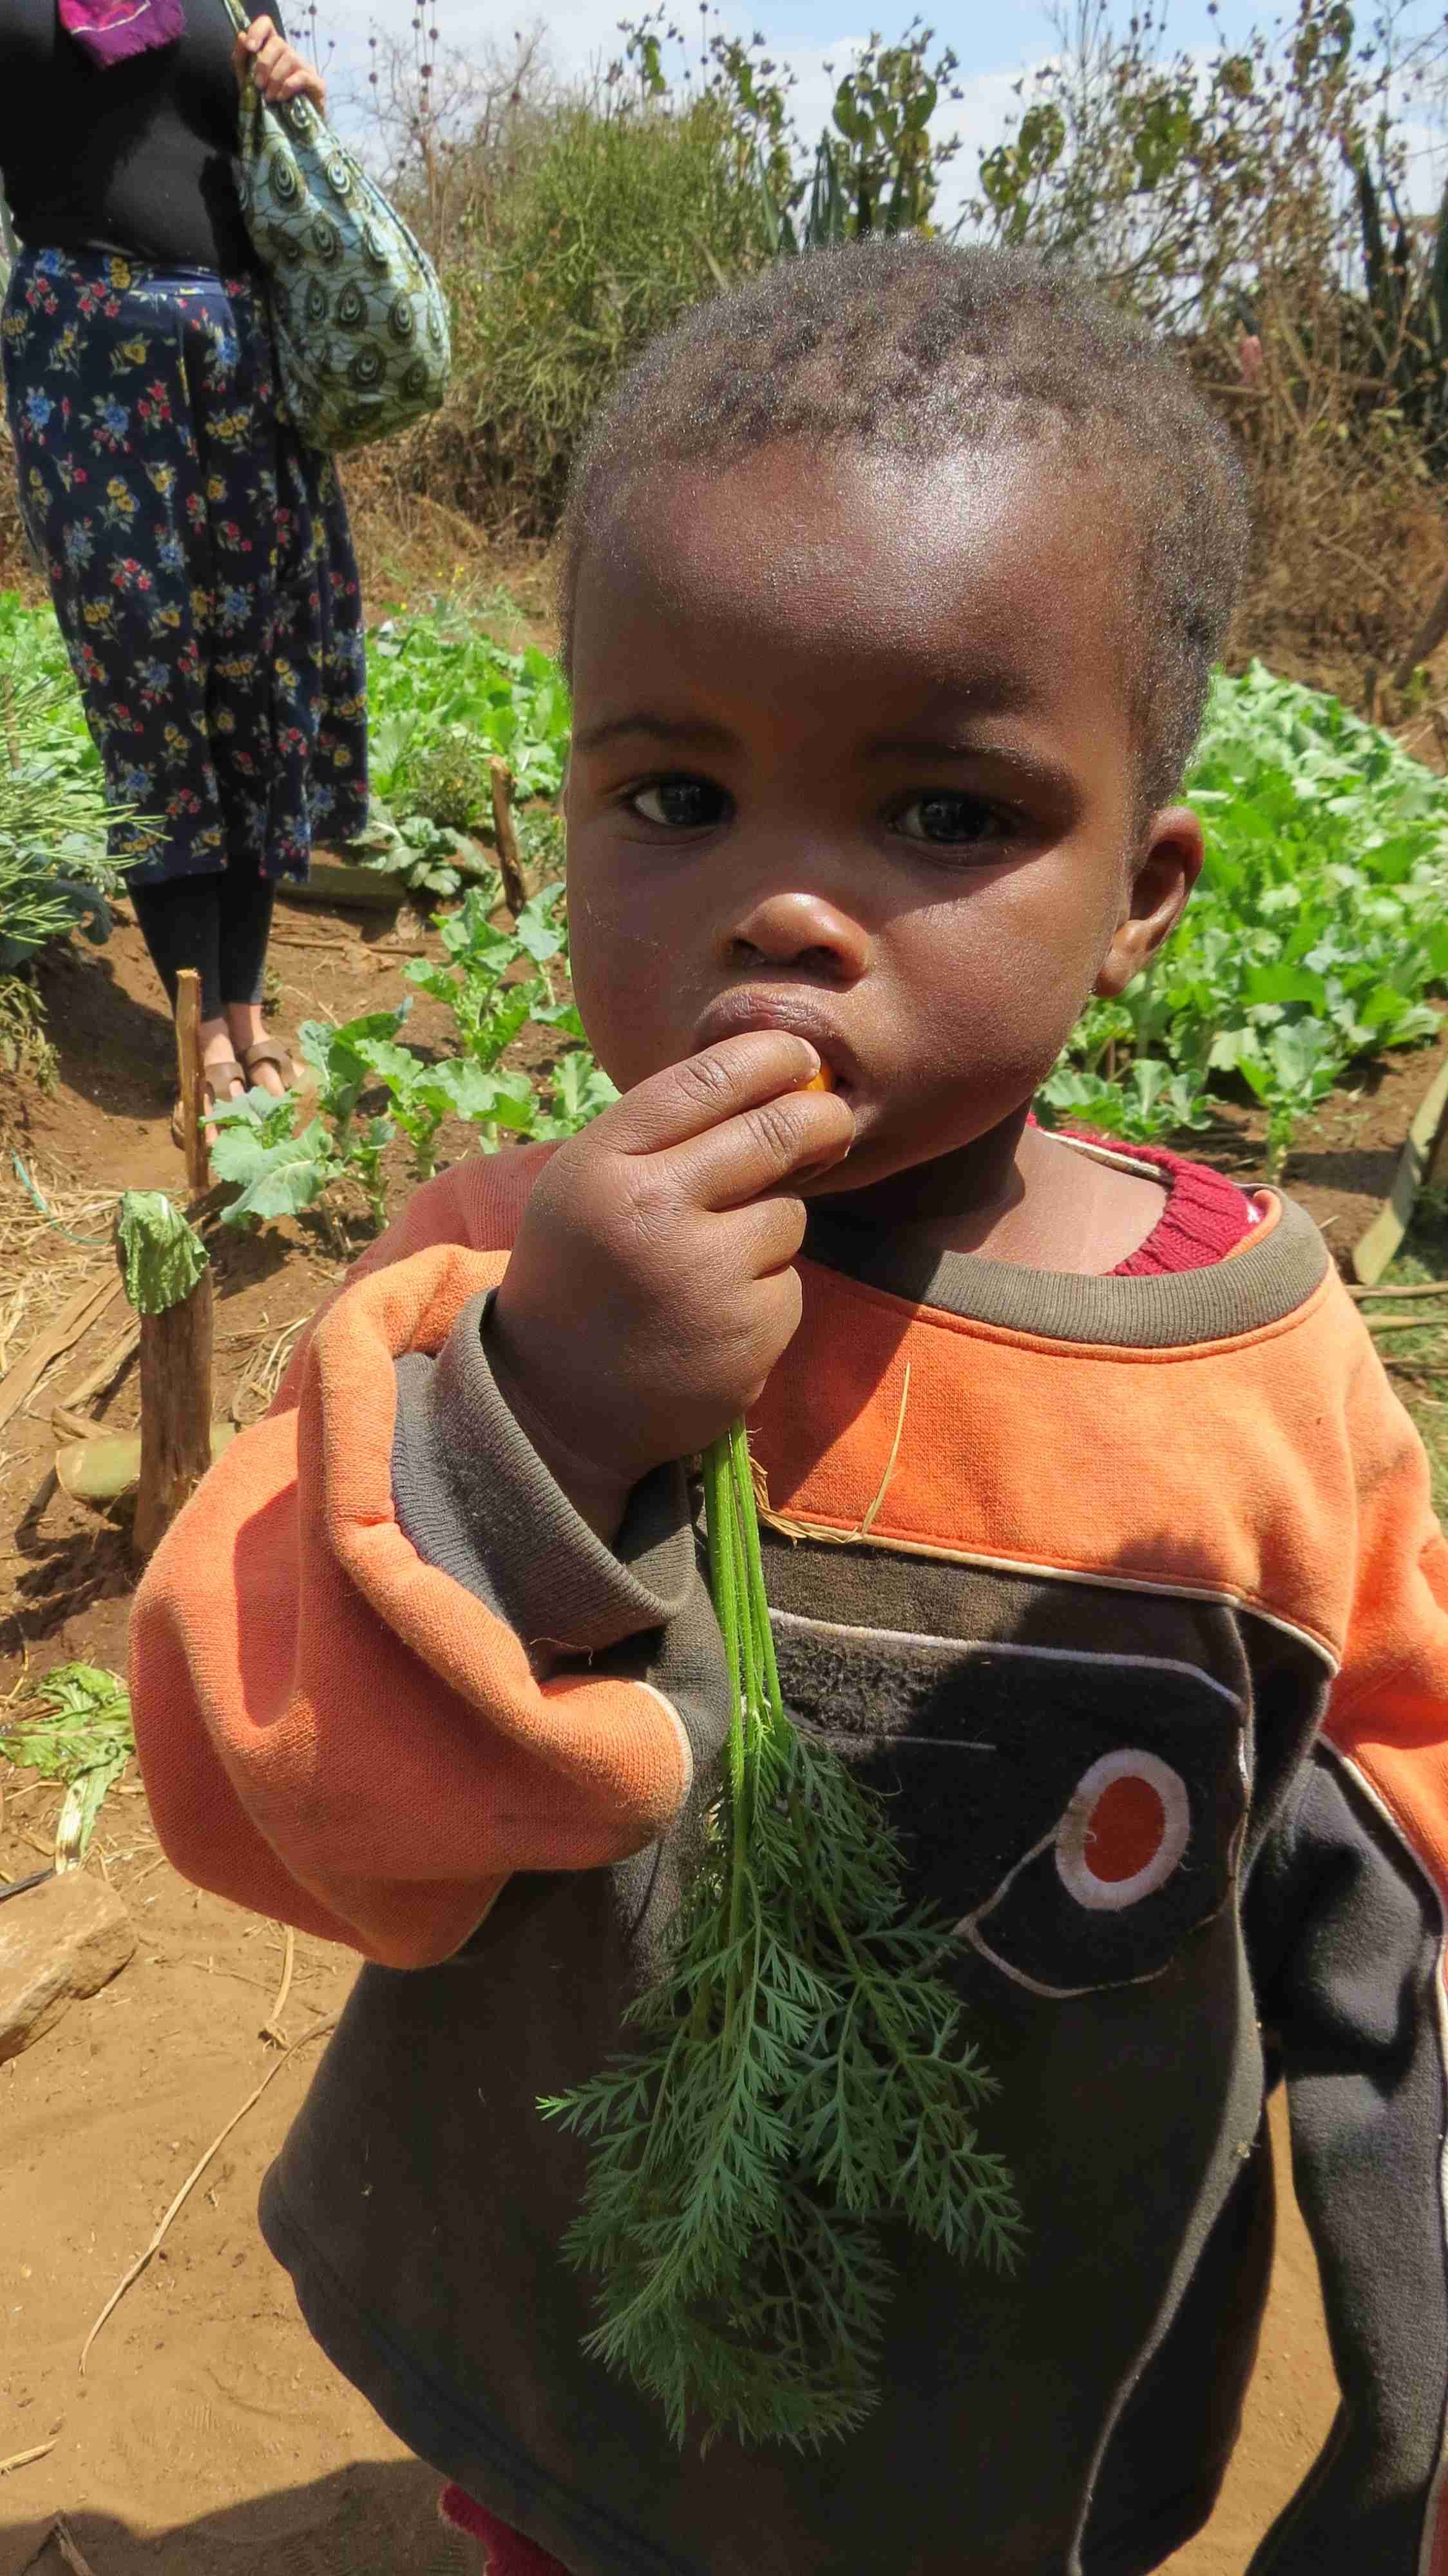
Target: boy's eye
x,y
951,819
680,804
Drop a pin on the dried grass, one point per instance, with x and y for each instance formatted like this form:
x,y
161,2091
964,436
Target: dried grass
x,y
1349,534
264,1371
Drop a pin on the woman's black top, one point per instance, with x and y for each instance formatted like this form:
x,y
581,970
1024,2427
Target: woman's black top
x,y
138,155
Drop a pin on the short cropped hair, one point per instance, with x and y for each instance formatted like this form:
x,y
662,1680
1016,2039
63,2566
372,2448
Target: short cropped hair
x,y
919,349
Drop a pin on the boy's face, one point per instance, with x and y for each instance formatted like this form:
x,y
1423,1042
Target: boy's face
x,y
852,756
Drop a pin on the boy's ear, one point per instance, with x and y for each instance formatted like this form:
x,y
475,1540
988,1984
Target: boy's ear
x,y
1162,878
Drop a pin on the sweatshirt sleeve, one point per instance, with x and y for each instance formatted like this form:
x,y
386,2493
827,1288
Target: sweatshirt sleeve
x,y
379,1664
1346,1918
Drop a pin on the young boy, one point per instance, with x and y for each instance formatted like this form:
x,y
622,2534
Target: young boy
x,y
1094,1537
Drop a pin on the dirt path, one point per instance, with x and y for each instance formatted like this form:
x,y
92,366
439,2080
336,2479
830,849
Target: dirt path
x,y
208,2435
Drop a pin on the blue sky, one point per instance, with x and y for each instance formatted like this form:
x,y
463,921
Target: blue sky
x,y
994,45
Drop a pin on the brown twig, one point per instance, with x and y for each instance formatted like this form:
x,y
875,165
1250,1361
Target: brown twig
x,y
194,2176
22,2459
192,1079
74,2556
505,833
1419,1288
84,1308
98,1378
271,2028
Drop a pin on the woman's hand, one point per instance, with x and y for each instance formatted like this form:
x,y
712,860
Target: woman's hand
x,y
278,70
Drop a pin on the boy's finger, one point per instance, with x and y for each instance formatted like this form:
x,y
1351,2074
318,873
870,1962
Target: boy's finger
x,y
757,1241
707,1089
759,1149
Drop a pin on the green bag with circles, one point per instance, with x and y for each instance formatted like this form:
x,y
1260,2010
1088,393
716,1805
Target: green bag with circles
x,y
359,316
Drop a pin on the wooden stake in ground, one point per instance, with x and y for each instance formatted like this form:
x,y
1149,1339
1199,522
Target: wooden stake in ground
x,y
168,1280
505,833
1416,1164
1427,640
193,1081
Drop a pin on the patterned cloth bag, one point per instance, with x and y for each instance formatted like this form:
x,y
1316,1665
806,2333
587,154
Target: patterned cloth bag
x,y
360,319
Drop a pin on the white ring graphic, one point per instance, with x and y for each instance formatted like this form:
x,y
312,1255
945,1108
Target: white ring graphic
x,y
1073,1834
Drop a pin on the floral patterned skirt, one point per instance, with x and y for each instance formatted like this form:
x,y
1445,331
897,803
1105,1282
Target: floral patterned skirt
x,y
199,560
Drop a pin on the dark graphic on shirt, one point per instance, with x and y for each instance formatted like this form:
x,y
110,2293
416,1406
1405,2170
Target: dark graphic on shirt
x,y
1076,1815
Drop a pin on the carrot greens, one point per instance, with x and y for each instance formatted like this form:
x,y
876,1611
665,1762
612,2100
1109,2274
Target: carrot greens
x,y
799,2082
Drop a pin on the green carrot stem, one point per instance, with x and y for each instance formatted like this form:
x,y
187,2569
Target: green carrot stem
x,y
758,1597
725,1572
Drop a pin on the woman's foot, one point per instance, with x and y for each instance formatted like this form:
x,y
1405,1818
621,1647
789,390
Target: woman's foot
x,y
267,1064
222,1076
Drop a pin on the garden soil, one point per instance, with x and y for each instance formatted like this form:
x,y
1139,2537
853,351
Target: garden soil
x,y
206,2436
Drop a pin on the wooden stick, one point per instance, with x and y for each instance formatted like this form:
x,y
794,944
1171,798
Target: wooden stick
x,y
1404,1323
79,1315
175,1411
193,1081
198,2169
272,2026
1422,1288
105,1369
1376,1248
1427,640
22,2459
60,2533
505,833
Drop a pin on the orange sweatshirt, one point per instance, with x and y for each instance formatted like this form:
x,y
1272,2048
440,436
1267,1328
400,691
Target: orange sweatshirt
x,y
1129,1592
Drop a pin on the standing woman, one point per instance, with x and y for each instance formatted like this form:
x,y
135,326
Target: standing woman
x,y
199,555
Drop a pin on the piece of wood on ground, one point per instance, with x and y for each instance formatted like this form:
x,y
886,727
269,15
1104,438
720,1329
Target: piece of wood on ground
x,y
1429,636
191,1073
22,1381
66,1938
108,1366
1375,1249
335,882
59,2548
1419,1288
505,833
175,1411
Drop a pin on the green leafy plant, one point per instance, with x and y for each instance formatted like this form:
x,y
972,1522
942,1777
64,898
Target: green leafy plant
x,y
278,1169
877,165
450,783
428,687
343,1075
75,1727
1313,942
799,2081
54,871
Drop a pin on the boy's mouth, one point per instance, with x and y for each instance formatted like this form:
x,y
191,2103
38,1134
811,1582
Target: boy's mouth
x,y
753,1006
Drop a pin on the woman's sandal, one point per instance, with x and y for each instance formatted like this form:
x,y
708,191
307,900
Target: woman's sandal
x,y
292,1076
216,1084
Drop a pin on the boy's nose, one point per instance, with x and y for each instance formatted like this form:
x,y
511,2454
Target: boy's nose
x,y
798,930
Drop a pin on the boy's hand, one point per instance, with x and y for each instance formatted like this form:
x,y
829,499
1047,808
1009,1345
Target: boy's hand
x,y
650,1292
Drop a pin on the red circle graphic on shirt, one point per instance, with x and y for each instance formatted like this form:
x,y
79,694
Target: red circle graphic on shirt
x,y
1124,1832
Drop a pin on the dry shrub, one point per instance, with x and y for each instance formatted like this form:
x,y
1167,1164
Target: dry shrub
x,y
1348,529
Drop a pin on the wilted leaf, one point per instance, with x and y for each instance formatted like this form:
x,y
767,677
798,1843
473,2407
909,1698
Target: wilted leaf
x,y
162,1257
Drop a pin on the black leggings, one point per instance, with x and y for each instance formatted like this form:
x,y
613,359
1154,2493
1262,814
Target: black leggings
x,y
218,924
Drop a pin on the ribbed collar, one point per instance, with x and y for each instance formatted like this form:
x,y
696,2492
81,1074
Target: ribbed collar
x,y
1265,1282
